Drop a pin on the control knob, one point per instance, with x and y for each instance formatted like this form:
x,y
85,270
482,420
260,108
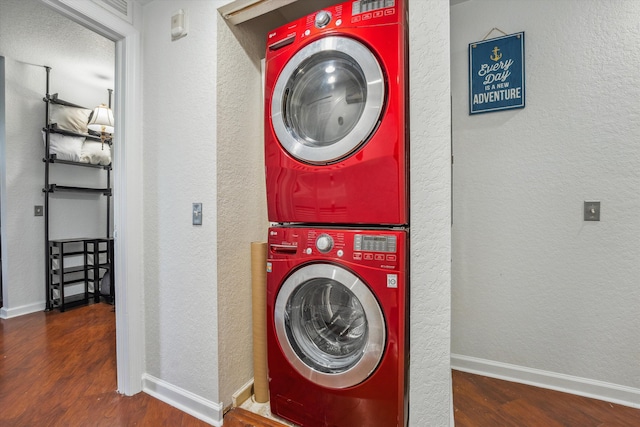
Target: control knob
x,y
322,19
324,243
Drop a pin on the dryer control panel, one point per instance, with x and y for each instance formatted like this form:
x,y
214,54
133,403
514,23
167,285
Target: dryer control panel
x,y
364,6
351,14
377,248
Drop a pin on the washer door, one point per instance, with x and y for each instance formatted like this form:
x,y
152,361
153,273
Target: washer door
x,y
327,100
329,325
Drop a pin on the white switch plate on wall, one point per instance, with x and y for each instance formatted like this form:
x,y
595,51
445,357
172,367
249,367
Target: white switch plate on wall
x,y
197,214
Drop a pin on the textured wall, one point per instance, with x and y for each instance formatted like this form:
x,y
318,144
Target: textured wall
x,y
242,214
180,168
430,378
533,284
82,69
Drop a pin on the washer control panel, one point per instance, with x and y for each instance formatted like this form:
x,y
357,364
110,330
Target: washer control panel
x,y
377,243
377,248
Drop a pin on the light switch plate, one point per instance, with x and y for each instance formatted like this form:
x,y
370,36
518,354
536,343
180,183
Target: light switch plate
x,y
38,210
197,213
591,211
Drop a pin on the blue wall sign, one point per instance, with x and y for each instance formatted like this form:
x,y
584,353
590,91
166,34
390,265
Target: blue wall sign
x,y
496,74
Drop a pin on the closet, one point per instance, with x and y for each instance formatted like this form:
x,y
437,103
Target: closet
x,y
79,269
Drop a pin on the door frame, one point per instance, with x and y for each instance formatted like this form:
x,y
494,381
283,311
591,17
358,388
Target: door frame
x,y
127,176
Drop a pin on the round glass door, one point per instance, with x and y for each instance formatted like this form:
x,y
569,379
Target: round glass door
x,y
329,325
327,100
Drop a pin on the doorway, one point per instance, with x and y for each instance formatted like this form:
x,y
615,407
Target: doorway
x,y
127,188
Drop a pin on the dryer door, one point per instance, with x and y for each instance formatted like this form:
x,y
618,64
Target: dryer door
x,y
327,100
329,325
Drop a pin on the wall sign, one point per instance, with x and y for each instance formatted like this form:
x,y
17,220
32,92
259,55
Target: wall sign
x,y
496,74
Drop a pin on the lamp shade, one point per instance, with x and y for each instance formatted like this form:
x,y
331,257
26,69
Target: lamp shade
x,y
101,120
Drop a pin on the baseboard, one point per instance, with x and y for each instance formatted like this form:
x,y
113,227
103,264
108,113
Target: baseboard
x,y
201,408
8,313
614,393
242,394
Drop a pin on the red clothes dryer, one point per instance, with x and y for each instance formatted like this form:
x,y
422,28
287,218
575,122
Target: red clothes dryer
x,y
336,326
335,116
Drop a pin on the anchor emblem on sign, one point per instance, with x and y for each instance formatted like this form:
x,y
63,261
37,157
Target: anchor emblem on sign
x,y
496,55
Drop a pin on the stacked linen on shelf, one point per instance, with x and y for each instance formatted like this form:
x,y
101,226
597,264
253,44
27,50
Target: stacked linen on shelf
x,y
78,149
75,148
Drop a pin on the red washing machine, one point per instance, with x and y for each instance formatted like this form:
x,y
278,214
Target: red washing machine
x,y
336,147
336,326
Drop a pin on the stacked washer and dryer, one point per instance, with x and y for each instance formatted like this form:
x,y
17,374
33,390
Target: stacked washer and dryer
x,y
336,155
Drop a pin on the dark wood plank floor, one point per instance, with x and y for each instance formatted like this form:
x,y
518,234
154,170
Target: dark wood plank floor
x,y
238,417
58,369
483,401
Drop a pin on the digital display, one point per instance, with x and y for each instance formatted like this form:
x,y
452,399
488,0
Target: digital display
x,y
368,243
362,6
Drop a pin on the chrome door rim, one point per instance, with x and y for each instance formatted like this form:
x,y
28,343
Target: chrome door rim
x,y
368,120
374,348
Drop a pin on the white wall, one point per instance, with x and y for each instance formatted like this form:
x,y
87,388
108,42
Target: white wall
x,y
203,142
242,211
533,284
82,70
430,139
180,167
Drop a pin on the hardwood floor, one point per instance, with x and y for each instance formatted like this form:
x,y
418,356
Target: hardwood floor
x,y
483,401
58,369
238,417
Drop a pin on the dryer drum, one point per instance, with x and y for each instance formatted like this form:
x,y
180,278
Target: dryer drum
x,y
326,98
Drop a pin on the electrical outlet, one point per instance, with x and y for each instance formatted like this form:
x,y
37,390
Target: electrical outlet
x,y
38,210
591,211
